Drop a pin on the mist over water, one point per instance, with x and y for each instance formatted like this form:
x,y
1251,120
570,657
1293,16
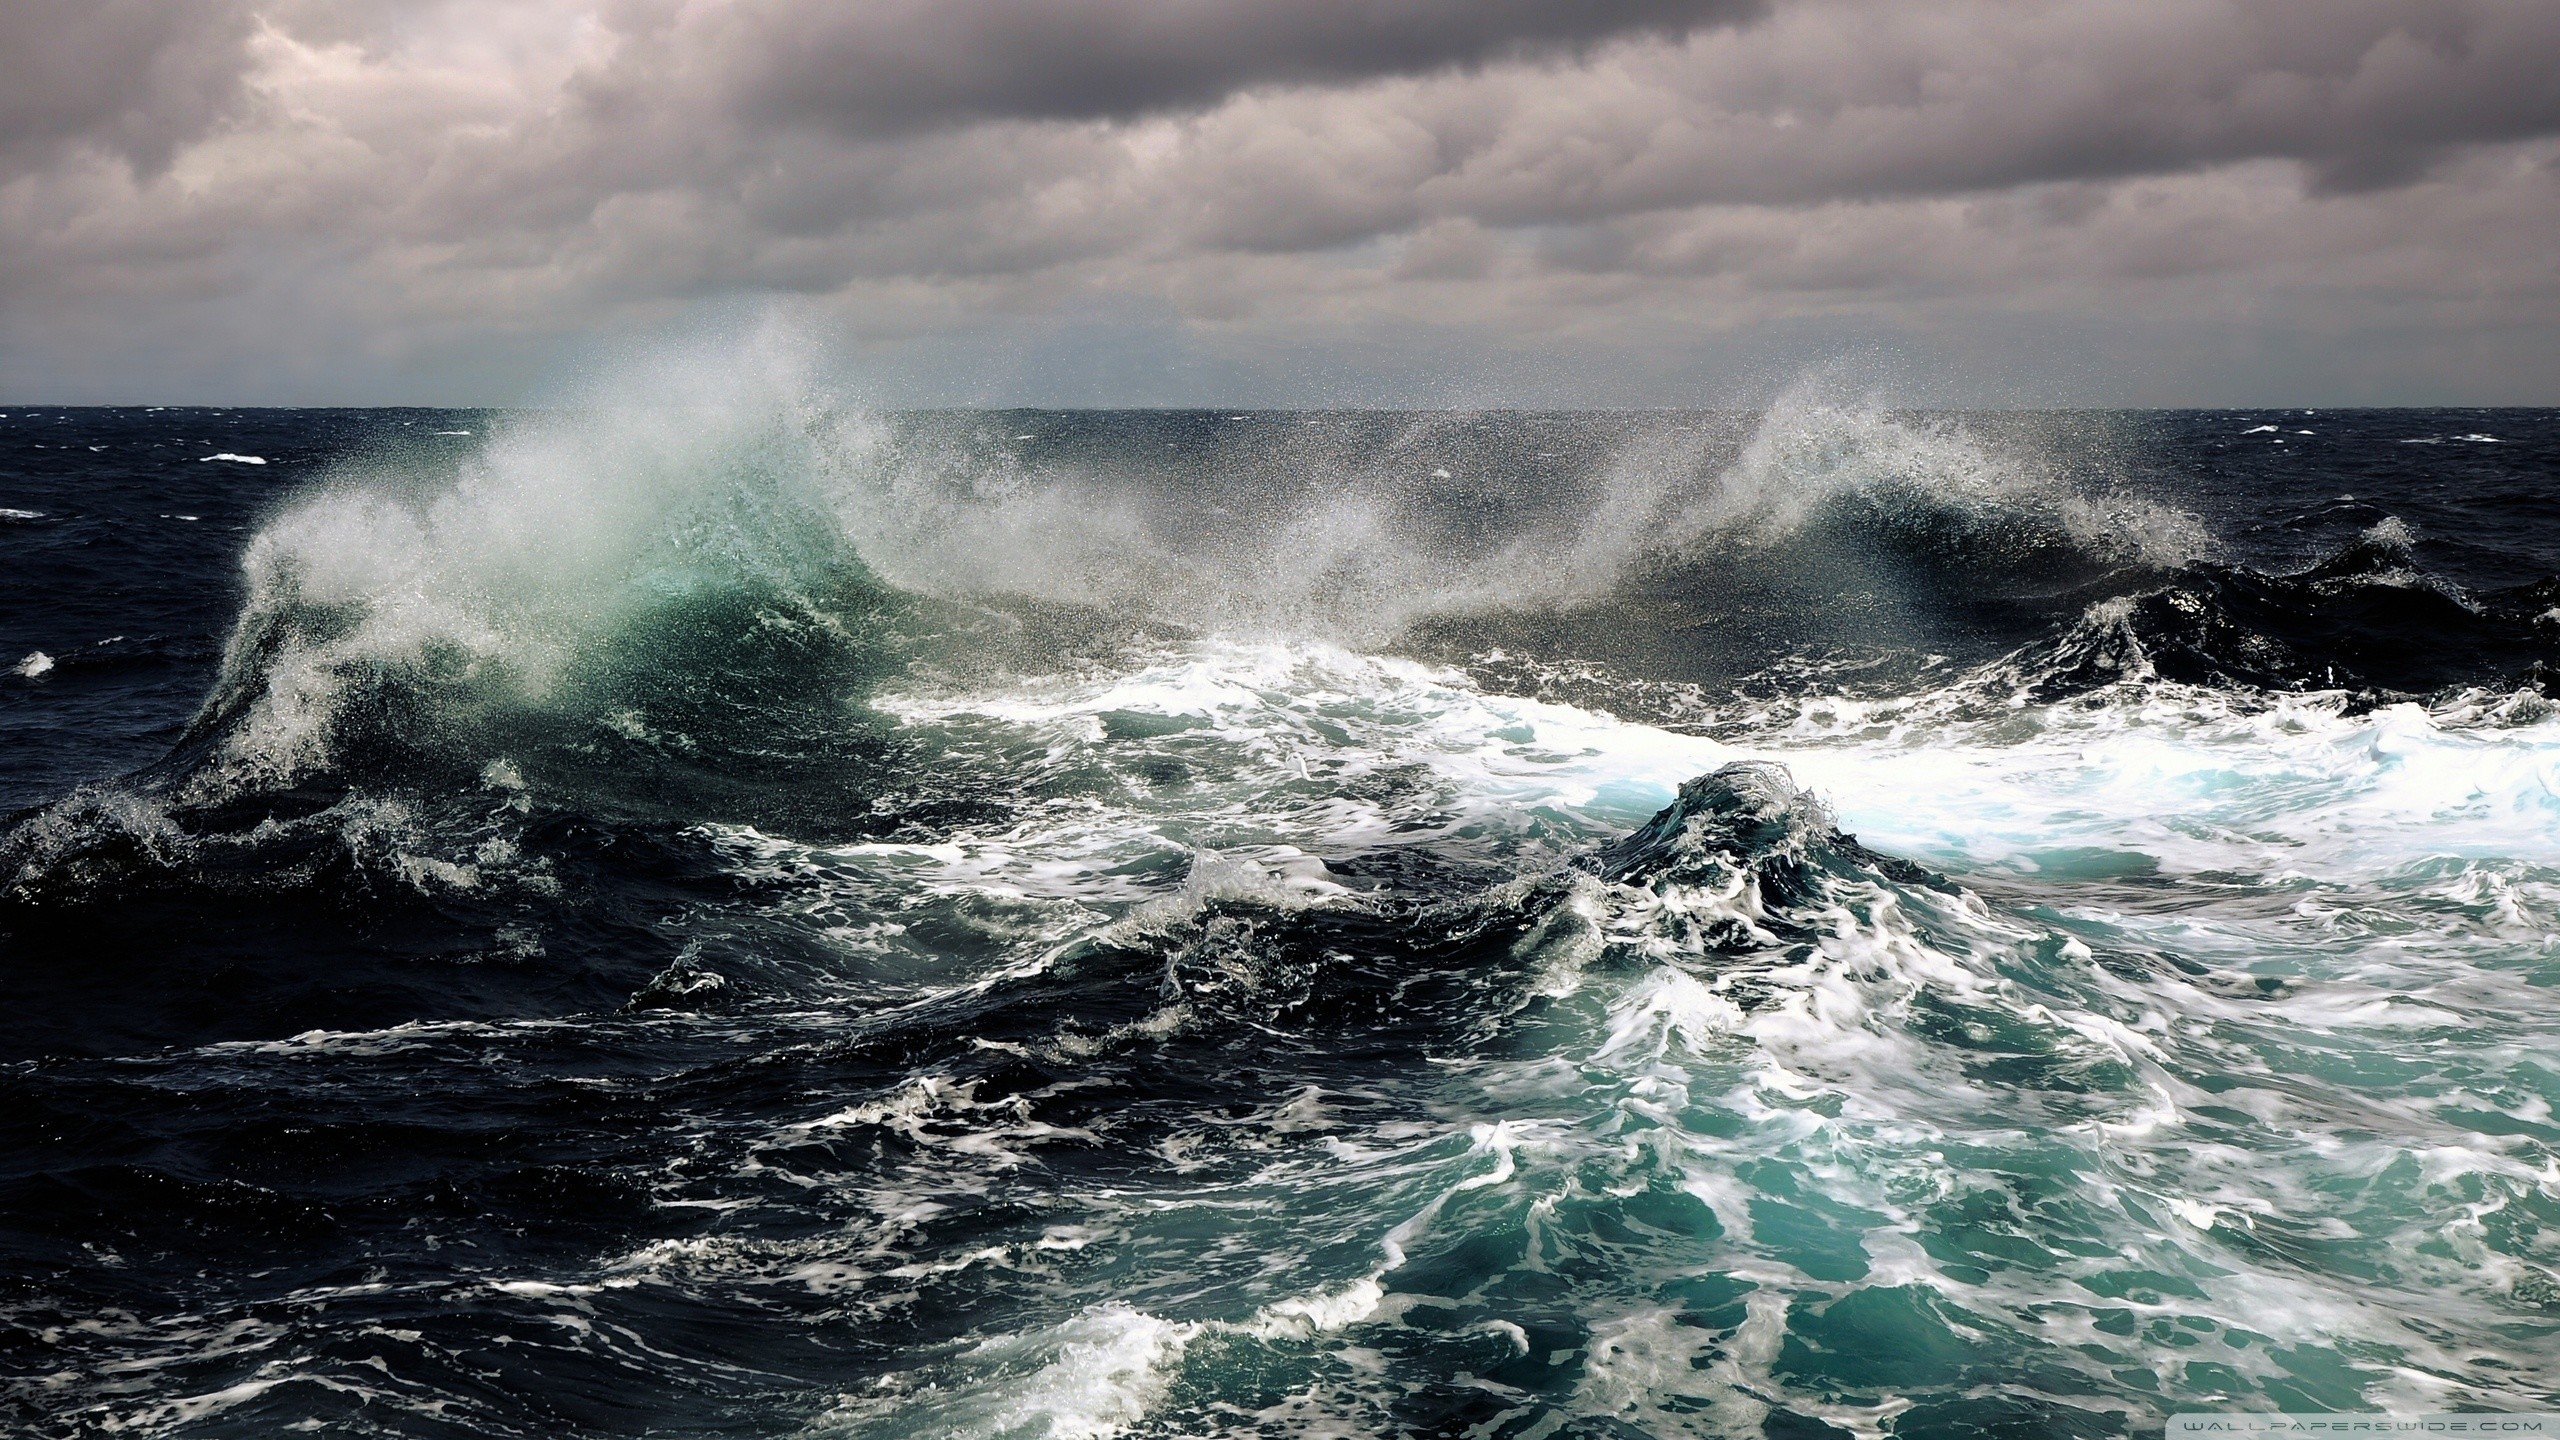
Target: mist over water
x,y
720,911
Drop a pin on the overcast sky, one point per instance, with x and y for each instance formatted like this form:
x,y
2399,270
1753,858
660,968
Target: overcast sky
x,y
1600,202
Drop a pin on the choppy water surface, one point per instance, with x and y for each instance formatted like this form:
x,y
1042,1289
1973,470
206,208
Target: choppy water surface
x,y
726,915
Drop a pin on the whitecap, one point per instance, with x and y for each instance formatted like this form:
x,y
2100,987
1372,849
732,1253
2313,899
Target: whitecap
x,y
235,459
1089,1378
36,663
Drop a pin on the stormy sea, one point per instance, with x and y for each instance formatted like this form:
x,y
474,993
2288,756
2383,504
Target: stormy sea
x,y
723,912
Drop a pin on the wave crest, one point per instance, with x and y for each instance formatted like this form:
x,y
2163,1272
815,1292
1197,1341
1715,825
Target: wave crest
x,y
500,589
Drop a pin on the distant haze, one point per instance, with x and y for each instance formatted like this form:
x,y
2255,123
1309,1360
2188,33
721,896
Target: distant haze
x,y
1289,202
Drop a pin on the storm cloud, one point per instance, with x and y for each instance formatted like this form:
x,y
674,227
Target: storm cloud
x,y
1404,200
902,65
131,78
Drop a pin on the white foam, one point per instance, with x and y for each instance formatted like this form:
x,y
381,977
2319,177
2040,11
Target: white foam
x,y
2164,781
2296,787
235,459
1506,764
2183,781
34,664
1325,1312
2392,865
1089,1378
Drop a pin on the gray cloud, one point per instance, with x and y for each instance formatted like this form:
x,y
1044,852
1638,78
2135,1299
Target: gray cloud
x,y
1839,100
136,78
896,66
1439,181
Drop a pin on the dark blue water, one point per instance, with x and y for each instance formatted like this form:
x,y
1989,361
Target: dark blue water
x,y
760,919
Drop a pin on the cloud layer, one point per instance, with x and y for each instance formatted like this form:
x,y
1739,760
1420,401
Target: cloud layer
x,y
1621,201
900,66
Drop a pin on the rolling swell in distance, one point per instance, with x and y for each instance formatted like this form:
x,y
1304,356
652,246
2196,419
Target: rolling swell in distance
x,y
720,912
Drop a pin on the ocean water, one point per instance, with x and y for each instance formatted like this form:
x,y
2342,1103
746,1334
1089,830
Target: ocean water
x,y
720,913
